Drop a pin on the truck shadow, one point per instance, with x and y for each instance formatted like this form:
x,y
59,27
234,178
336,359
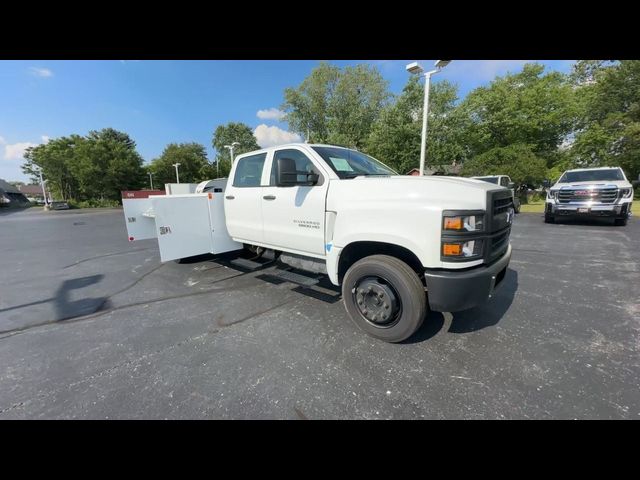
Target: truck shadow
x,y
67,309
473,319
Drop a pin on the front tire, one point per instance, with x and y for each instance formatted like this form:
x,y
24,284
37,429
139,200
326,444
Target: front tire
x,y
549,218
384,297
620,222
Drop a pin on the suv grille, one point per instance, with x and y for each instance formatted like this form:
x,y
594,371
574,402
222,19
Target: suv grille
x,y
599,195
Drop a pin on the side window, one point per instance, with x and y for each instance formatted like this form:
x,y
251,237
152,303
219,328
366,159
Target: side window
x,y
303,164
249,171
504,181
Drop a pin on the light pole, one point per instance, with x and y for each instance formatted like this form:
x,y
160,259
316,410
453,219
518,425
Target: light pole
x,y
44,192
416,69
230,148
177,176
151,179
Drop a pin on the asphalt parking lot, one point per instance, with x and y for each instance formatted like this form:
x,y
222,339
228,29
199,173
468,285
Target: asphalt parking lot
x,y
92,326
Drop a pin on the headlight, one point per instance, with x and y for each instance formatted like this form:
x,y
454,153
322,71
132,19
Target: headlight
x,y
463,223
4,199
625,192
552,194
471,248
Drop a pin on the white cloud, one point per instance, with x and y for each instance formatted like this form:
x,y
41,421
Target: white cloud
x,y
45,138
41,72
15,151
271,136
270,114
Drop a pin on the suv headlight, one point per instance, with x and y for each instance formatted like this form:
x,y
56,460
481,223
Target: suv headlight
x,y
463,223
626,192
552,194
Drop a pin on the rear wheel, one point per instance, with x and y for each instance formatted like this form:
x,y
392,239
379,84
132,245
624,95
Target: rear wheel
x,y
384,297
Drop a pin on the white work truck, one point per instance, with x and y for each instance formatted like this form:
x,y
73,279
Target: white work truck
x,y
397,245
503,181
590,192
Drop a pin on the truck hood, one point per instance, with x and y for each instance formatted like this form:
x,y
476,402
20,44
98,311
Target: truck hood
x,y
617,183
419,192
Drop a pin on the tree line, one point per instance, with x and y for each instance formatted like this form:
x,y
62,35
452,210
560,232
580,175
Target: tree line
x,y
530,125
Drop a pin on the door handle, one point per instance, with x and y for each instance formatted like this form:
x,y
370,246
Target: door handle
x,y
269,197
229,197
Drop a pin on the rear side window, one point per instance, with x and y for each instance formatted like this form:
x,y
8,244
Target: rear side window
x,y
249,171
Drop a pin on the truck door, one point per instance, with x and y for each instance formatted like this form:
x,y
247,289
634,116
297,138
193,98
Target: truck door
x,y
243,199
293,217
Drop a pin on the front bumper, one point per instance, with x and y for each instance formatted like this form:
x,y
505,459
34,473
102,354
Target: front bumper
x,y
451,291
588,209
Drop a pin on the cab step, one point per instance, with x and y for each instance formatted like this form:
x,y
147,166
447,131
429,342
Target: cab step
x,y
248,264
296,278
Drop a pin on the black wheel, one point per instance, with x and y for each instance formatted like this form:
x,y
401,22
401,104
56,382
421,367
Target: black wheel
x,y
620,222
549,218
516,206
384,297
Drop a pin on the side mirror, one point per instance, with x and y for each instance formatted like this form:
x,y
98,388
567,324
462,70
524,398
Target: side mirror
x,y
288,175
511,185
546,184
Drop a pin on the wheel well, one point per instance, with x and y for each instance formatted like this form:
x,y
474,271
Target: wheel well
x,y
358,250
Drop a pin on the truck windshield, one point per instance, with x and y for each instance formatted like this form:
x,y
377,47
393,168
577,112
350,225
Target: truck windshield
x,y
488,179
608,174
351,163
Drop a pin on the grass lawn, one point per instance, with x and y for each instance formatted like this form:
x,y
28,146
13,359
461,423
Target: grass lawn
x,y
533,207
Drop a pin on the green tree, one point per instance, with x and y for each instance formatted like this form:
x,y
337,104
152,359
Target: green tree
x,y
55,160
226,135
336,106
396,135
192,157
97,166
105,163
610,133
518,161
529,107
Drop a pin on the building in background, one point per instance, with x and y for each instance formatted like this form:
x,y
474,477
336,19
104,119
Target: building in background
x,y
10,196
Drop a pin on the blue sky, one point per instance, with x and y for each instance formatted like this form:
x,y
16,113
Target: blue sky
x,y
161,102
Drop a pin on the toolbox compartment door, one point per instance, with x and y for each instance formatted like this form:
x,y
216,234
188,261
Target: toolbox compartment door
x,y
183,226
138,214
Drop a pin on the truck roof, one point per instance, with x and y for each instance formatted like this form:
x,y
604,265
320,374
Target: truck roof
x,y
296,144
588,169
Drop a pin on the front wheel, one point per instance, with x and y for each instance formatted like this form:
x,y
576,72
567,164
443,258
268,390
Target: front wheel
x,y
384,297
620,222
549,218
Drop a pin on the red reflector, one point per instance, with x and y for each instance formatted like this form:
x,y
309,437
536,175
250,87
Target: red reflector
x,y
131,239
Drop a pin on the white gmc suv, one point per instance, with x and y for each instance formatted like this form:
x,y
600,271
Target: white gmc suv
x,y
590,192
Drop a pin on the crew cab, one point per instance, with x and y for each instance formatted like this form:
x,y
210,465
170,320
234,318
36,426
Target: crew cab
x,y
503,181
590,192
397,245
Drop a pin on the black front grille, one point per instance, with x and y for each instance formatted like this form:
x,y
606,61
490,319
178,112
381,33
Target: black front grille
x,y
502,205
599,195
499,244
